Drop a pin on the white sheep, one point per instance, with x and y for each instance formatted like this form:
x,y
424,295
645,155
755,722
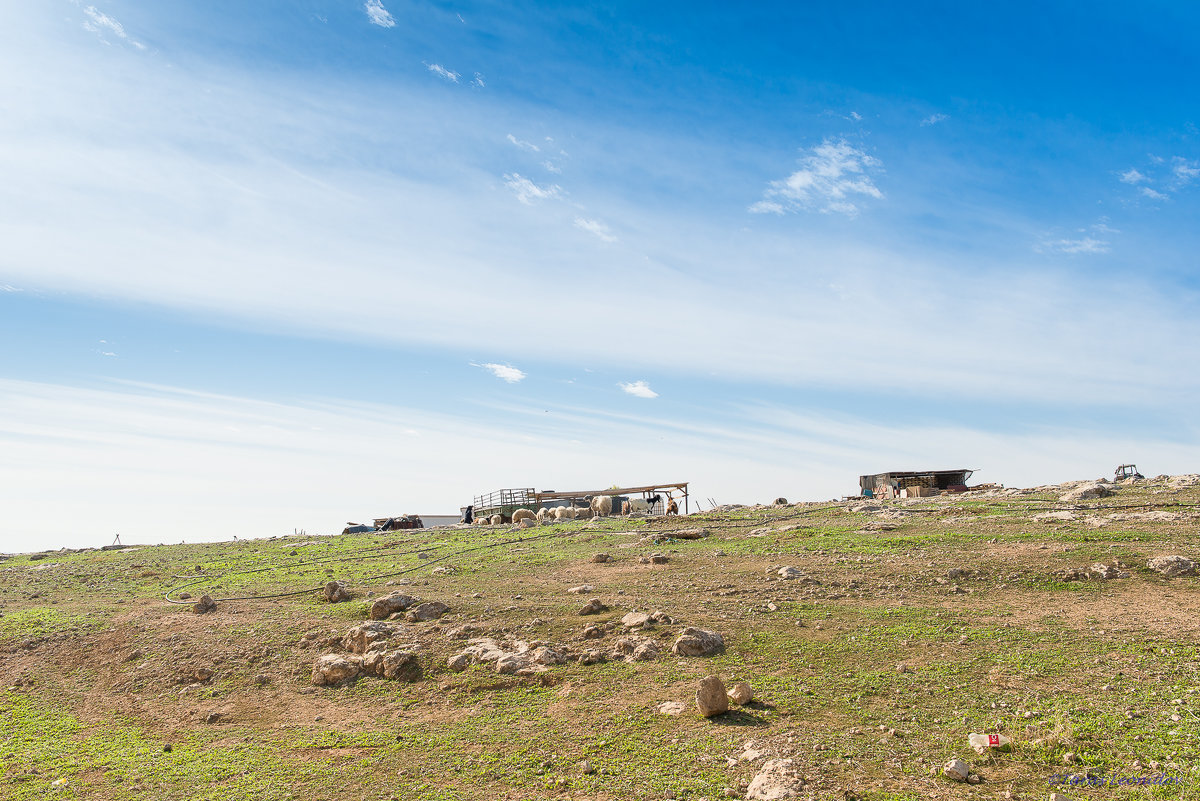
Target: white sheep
x,y
583,513
497,519
602,505
522,514
639,505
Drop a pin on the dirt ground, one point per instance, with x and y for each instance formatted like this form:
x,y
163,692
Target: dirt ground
x,y
908,626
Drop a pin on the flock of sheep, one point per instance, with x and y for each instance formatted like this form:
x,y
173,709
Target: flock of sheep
x,y
599,506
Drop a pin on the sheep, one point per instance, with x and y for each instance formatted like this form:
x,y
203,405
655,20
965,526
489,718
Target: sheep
x,y
497,519
522,514
639,505
672,507
564,513
602,505
544,513
583,513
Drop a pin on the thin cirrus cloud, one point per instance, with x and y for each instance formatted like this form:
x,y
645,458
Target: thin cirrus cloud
x,y
830,175
505,372
934,119
378,15
1158,182
100,23
638,389
1074,247
521,143
596,228
442,72
527,191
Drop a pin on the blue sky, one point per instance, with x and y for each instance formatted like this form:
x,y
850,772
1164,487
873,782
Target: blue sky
x,y
283,265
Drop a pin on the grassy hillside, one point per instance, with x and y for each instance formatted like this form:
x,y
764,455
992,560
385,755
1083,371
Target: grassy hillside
x,y
912,624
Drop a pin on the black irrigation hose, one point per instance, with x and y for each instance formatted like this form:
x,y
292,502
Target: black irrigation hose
x,y
167,595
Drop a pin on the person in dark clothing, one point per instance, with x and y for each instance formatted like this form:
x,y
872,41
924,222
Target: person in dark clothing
x,y
469,515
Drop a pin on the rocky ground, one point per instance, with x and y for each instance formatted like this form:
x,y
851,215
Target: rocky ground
x,y
831,650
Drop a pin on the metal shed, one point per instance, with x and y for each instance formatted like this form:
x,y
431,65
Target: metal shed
x,y
888,485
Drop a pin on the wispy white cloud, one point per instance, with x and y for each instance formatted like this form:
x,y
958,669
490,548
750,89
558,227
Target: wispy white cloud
x,y
599,229
100,23
552,167
378,15
521,143
527,191
9,288
934,119
1073,247
478,81
1153,194
1132,176
439,70
829,176
1185,171
639,389
854,115
505,372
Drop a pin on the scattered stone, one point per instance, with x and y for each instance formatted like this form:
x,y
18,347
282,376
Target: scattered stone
x,y
741,693
333,669
788,573
777,780
634,620
593,632
459,662
262,679
974,778
388,605
366,636
956,769
184,596
527,522
690,533
212,717
430,610
335,592
698,642
586,768
581,589
1087,492
133,656
401,666
635,649
903,668
205,604
711,697
655,559
670,708
601,557
779,502
593,607
1171,566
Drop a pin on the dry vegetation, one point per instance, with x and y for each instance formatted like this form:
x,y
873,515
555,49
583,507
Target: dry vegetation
x,y
108,691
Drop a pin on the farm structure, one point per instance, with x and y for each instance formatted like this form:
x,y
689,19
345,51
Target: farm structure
x,y
898,483
504,502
